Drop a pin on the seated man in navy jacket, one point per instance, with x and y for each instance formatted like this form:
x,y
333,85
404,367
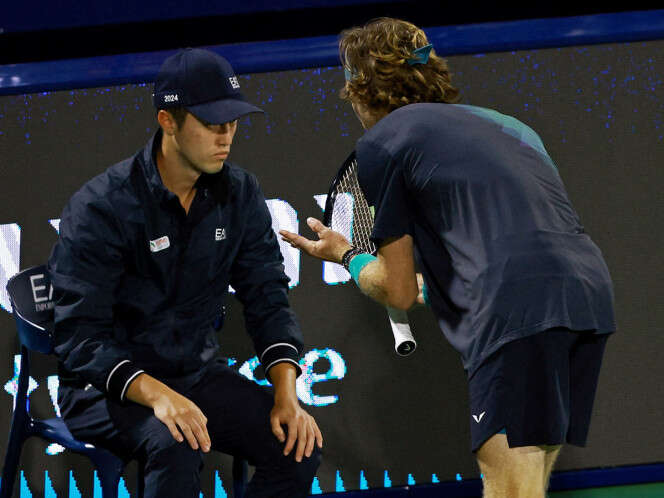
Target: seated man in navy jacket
x,y
146,253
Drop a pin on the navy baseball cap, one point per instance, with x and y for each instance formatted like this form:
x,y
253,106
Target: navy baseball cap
x,y
202,82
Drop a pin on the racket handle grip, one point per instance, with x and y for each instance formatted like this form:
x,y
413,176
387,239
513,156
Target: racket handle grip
x,y
404,342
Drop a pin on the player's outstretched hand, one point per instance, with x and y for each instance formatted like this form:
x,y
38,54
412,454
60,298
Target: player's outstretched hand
x,y
330,245
303,430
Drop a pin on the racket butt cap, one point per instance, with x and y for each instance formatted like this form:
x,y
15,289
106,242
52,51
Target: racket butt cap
x,y
405,348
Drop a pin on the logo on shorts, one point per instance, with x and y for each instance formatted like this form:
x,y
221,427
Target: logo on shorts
x,y
234,82
220,234
478,418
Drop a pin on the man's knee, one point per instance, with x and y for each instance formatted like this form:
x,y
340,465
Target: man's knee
x,y
302,473
306,469
515,472
282,476
163,451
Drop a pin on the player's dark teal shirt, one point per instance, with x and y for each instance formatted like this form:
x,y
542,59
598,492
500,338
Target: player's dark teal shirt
x,y
503,253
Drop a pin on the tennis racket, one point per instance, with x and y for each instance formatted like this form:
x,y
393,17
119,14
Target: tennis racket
x,y
347,212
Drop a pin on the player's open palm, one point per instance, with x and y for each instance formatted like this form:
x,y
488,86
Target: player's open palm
x,y
330,245
183,418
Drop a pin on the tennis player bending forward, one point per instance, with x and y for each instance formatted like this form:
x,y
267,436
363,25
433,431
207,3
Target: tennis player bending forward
x,y
517,286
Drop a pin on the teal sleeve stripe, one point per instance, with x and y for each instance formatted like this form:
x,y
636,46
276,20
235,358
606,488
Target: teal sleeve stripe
x,y
425,293
357,263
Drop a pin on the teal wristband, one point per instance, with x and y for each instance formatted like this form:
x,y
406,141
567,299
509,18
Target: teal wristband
x,y
425,293
357,263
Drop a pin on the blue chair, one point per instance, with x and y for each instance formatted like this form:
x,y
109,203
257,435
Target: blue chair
x,y
30,293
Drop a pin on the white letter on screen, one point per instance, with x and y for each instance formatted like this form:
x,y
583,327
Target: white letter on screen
x,y
306,381
284,217
334,273
10,252
55,223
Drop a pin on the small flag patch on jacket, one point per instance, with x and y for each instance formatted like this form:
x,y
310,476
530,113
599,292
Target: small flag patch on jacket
x,y
160,244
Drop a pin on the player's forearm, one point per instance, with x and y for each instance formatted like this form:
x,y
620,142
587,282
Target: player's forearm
x,y
375,282
372,282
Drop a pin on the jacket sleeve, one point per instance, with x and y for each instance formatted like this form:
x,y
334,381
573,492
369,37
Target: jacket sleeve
x,y
258,277
86,266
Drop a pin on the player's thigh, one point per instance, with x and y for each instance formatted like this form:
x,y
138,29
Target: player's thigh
x,y
537,378
552,453
514,472
238,413
522,391
496,457
585,363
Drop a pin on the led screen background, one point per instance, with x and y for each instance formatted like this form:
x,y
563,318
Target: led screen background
x,y
599,111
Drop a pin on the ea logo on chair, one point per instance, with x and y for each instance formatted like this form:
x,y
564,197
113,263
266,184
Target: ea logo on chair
x,y
42,294
31,295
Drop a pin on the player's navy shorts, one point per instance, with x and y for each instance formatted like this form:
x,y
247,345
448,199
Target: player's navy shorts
x,y
538,390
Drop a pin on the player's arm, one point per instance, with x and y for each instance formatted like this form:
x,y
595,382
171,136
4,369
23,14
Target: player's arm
x,y
389,279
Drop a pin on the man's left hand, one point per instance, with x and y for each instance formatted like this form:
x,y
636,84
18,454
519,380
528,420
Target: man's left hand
x,y
302,428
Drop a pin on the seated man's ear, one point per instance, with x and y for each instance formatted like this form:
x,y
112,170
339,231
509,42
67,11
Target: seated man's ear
x,y
167,122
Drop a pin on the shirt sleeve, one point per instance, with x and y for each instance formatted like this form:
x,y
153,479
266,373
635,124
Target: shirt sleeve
x,y
85,267
261,285
382,179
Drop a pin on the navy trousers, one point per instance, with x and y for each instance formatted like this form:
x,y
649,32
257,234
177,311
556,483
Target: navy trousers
x,y
238,413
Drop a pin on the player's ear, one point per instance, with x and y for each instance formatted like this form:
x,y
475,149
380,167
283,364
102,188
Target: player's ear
x,y
167,122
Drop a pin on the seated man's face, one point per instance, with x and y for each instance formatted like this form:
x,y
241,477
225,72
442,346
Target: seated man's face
x,y
205,146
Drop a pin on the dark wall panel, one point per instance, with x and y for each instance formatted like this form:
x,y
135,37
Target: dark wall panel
x,y
599,111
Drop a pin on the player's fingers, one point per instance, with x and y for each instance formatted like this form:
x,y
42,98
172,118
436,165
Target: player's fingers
x,y
296,240
319,435
188,434
301,443
277,430
174,431
286,235
311,439
200,432
292,437
316,225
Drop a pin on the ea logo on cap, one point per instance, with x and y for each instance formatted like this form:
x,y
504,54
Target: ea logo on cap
x,y
234,82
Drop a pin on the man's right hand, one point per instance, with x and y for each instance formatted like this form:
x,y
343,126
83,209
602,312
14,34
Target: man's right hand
x,y
182,417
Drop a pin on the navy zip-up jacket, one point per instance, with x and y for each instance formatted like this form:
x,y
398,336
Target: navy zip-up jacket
x,y
140,284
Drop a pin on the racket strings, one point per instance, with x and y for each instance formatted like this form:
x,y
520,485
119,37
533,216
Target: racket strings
x,y
352,215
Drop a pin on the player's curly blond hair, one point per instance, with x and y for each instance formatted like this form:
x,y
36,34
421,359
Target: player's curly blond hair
x,y
376,56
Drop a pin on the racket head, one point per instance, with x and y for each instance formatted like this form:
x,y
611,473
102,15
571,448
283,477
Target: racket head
x,y
346,208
